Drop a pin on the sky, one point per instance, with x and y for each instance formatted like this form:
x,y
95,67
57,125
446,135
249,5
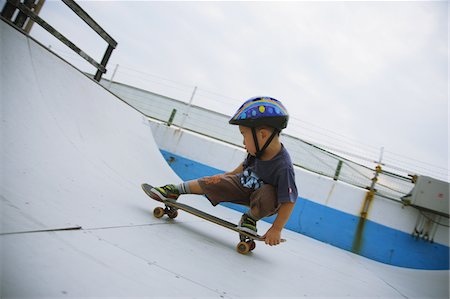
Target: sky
x,y
355,76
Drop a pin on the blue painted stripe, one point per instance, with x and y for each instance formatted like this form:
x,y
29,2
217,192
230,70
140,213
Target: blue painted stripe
x,y
378,242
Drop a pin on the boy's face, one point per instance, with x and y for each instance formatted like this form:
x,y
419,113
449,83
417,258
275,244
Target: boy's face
x,y
249,143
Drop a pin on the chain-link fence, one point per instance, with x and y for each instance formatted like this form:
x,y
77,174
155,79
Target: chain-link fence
x,y
304,155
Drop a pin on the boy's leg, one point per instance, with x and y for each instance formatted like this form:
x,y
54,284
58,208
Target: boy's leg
x,y
193,187
223,188
217,188
263,202
172,191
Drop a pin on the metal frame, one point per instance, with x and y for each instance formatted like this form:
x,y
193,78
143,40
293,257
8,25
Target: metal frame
x,y
25,9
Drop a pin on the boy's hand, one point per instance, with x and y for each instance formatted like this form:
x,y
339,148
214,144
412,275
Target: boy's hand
x,y
272,236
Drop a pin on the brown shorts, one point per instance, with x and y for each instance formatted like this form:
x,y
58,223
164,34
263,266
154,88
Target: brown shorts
x,y
228,188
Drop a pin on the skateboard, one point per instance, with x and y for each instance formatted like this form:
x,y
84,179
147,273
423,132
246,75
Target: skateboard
x,y
247,241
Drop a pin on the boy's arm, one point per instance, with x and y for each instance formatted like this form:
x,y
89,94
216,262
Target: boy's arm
x,y
273,235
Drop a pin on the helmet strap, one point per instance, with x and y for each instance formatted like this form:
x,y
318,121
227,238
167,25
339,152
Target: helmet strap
x,y
259,152
255,139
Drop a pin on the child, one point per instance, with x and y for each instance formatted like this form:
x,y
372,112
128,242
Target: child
x,y
265,181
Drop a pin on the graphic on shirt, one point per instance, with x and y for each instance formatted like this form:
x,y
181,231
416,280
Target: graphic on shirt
x,y
249,179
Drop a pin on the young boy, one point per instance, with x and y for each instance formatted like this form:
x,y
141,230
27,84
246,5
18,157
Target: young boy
x,y
265,181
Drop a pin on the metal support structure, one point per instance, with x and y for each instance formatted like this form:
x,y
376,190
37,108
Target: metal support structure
x,y
185,115
112,76
338,170
28,10
371,193
8,11
90,21
22,17
172,116
426,226
99,73
37,9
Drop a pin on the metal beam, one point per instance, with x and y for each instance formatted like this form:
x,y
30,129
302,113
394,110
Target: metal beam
x,y
86,18
57,34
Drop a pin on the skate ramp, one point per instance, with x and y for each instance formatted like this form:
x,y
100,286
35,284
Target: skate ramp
x,y
75,222
73,154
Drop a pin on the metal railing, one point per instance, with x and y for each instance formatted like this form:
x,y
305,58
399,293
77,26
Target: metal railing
x,y
24,13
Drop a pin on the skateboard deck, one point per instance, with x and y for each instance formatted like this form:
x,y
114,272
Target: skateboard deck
x,y
247,243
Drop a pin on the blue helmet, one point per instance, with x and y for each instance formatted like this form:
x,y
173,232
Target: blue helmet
x,y
259,111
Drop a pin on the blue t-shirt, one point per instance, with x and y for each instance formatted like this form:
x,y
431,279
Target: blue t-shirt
x,y
278,172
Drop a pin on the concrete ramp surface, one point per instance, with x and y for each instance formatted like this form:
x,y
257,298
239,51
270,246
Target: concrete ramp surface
x,y
75,222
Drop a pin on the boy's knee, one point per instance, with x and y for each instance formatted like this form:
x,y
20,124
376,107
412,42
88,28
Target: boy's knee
x,y
264,202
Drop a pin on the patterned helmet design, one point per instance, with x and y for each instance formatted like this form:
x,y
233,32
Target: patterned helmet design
x,y
259,111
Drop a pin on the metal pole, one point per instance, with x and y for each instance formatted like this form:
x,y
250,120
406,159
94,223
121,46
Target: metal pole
x,y
188,108
37,8
112,76
22,17
381,155
172,116
8,11
338,170
371,193
100,72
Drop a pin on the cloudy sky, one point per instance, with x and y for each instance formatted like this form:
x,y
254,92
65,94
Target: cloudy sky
x,y
355,76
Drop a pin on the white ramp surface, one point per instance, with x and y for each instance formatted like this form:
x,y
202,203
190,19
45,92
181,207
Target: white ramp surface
x,y
75,223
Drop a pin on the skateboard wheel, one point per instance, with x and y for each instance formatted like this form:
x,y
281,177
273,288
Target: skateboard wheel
x,y
252,244
158,212
172,214
243,247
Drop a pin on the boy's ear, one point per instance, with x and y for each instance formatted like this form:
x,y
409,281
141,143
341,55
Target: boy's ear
x,y
265,132
262,133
